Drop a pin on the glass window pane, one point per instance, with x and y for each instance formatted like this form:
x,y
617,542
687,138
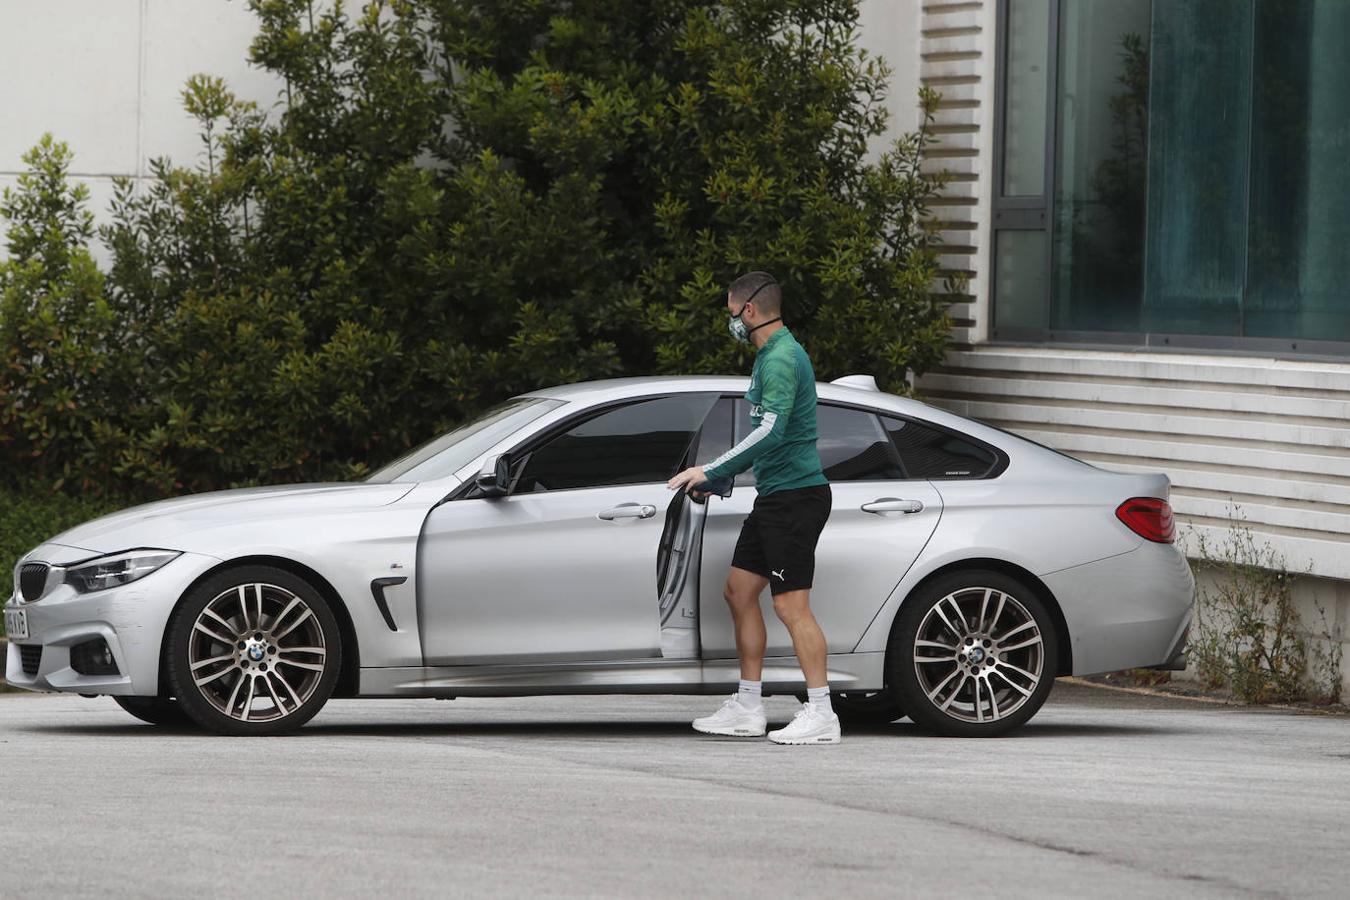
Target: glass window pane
x,y
1026,78
714,438
1199,118
933,453
445,454
635,444
1299,225
1019,279
853,446
1100,165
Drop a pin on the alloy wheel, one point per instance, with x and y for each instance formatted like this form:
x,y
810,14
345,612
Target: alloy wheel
x,y
979,654
257,652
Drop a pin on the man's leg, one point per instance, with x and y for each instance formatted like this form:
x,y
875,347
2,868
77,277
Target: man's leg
x,y
790,547
742,592
742,714
816,722
794,609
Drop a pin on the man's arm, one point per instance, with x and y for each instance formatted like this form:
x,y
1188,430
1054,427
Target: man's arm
x,y
780,390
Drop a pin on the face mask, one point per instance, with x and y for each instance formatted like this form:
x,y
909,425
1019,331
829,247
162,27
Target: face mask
x,y
737,327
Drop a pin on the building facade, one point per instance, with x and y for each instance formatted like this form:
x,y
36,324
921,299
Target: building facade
x,y
1151,202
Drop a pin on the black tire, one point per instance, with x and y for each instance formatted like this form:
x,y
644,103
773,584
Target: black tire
x,y
155,710
866,707
274,589
975,660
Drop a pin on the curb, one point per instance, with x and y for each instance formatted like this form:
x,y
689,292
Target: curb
x,y
1213,701
1150,692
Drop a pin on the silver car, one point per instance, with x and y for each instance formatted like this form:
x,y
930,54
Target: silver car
x,y
537,550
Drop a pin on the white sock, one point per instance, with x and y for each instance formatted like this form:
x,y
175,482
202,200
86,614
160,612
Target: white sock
x,y
748,694
820,698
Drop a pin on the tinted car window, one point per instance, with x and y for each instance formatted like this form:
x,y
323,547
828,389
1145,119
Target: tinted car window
x,y
933,453
715,437
851,443
854,447
634,444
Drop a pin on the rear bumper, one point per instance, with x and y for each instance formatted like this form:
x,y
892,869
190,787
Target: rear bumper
x,y
1127,611
1176,657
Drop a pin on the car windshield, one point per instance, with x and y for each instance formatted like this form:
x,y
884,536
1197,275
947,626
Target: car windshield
x,y
445,454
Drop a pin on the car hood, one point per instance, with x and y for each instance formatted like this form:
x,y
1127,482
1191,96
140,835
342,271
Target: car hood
x,y
157,524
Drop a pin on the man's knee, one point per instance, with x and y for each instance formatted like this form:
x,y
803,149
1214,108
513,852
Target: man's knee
x,y
792,607
739,597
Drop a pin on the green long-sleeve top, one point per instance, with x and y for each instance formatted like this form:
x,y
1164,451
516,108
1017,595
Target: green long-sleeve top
x,y
782,398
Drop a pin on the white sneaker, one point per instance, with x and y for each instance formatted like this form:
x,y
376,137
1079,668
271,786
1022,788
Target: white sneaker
x,y
733,720
811,725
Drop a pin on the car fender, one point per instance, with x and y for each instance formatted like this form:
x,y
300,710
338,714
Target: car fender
x,y
361,553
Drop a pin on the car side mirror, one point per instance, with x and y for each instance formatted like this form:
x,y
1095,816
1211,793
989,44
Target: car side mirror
x,y
494,478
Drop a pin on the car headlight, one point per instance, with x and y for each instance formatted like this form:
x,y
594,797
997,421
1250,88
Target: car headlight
x,y
116,569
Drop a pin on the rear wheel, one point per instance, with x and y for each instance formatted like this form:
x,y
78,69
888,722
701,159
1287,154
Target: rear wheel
x,y
253,650
155,710
973,654
866,707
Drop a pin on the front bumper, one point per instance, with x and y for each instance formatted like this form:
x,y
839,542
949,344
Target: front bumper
x,y
131,619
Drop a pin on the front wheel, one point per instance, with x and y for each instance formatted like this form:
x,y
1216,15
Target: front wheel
x,y
155,710
253,650
973,654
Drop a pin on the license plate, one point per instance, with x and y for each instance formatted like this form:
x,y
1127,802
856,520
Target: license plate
x,y
16,623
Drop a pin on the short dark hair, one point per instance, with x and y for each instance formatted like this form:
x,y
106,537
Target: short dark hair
x,y
762,288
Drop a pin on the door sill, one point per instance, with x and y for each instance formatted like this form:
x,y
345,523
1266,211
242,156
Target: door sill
x,y
847,671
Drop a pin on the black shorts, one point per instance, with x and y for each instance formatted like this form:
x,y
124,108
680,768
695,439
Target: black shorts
x,y
778,538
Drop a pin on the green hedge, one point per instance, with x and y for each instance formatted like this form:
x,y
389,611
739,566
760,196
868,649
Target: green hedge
x,y
341,275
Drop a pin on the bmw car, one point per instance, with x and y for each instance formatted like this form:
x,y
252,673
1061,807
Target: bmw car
x,y
536,549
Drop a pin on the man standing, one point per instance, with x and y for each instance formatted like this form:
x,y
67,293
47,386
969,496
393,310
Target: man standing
x,y
778,539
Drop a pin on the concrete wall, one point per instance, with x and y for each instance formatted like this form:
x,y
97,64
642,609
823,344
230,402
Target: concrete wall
x,y
1323,606
892,29
105,77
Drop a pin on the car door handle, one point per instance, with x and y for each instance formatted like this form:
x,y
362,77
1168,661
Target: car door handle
x,y
629,511
883,505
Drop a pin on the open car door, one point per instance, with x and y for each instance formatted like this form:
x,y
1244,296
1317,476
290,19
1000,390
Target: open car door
x,y
677,577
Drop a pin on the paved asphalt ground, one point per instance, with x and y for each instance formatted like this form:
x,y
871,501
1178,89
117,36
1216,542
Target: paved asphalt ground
x,y
1103,794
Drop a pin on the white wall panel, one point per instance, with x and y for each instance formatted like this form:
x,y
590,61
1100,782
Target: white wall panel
x,y
890,29
1269,435
71,68
185,38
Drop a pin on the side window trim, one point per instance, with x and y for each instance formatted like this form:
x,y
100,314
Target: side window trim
x,y
520,453
1000,458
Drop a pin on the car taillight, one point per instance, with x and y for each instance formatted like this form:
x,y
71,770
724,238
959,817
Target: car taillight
x,y
1148,517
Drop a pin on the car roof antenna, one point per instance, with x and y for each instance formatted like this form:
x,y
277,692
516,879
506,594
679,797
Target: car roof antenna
x,y
861,382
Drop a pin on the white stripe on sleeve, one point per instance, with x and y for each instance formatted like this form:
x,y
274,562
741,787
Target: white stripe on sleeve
x,y
765,427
